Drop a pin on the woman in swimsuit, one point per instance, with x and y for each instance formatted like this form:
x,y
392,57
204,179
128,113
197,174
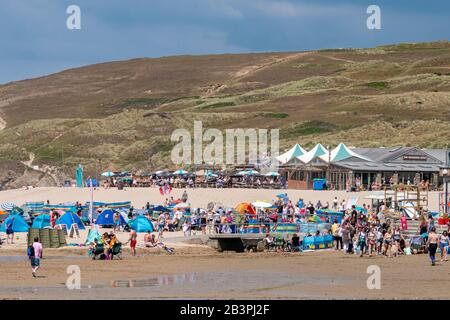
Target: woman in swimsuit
x,y
387,243
443,245
432,242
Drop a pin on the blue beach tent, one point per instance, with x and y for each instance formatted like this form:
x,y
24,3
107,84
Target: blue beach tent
x,y
141,224
41,221
106,218
160,209
18,224
70,218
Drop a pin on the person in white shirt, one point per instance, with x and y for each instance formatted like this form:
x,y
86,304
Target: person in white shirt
x,y
36,256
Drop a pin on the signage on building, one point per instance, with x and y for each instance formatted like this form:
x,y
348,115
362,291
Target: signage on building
x,y
415,157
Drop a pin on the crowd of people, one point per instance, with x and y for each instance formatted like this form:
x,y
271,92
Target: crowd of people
x,y
194,181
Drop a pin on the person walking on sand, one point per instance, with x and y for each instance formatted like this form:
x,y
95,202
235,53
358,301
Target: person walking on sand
x,y
133,242
432,243
10,231
116,219
35,255
443,245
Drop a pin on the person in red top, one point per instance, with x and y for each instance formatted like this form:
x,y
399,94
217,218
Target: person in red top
x,y
52,219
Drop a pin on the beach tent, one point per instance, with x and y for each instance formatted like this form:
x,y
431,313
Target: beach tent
x,y
318,151
244,206
92,235
160,209
124,215
141,224
342,152
41,221
19,224
293,153
70,218
106,218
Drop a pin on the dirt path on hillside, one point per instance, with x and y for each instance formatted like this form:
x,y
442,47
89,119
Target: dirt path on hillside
x,y
244,72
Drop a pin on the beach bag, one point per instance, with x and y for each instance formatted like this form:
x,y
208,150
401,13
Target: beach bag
x,y
30,251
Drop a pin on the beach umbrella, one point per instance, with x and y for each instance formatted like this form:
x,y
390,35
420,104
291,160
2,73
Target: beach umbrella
x,y
261,204
242,173
7,206
159,172
252,172
108,174
272,174
245,206
180,172
281,195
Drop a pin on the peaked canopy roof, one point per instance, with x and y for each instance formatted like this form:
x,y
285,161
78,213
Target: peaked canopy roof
x,y
319,151
342,152
295,152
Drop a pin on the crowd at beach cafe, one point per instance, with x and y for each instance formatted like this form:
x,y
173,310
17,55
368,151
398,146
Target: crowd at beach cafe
x,y
287,224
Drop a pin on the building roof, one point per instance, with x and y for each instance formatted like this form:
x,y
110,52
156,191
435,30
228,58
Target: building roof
x,y
342,152
404,159
314,153
291,154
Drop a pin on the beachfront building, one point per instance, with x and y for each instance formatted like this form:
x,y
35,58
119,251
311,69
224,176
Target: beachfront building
x,y
344,168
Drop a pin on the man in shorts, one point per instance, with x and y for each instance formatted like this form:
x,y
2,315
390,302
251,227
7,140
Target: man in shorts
x,y
133,242
36,257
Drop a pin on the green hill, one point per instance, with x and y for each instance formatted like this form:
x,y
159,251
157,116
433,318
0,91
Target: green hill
x,y
119,115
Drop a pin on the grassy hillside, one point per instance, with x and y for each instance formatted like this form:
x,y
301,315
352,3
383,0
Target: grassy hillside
x,y
120,115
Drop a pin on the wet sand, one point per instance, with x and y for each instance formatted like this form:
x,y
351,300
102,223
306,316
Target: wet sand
x,y
201,273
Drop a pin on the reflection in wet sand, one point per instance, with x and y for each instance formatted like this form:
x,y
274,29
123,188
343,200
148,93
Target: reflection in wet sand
x,y
163,280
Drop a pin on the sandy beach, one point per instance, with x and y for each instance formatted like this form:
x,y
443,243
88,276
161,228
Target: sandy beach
x,y
202,273
197,197
197,271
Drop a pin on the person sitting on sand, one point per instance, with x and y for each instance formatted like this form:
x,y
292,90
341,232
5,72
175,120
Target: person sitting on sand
x,y
269,242
150,240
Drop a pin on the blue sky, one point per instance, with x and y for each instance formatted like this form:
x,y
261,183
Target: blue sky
x,y
34,40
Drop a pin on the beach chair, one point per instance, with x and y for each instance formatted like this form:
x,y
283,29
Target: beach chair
x,y
97,251
279,244
116,251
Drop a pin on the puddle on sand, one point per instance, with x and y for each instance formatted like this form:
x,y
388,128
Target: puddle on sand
x,y
164,280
